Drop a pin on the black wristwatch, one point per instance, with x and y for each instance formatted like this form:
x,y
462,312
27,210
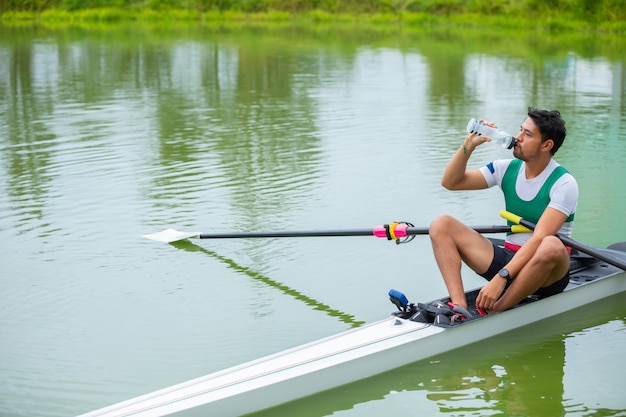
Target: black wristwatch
x,y
504,273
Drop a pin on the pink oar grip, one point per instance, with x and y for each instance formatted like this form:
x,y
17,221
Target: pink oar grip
x,y
379,231
399,230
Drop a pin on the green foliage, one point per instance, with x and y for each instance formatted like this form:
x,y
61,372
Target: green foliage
x,y
398,5
320,16
493,7
418,19
439,7
95,4
553,15
56,15
162,4
217,4
27,5
19,17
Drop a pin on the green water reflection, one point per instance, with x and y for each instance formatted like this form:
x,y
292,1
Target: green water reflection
x,y
315,304
250,97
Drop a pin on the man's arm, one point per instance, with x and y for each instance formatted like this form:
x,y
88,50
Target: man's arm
x,y
456,176
549,224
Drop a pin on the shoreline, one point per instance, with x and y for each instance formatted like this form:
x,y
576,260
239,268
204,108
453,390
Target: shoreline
x,y
116,16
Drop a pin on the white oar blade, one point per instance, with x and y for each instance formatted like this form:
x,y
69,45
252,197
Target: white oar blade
x,y
170,235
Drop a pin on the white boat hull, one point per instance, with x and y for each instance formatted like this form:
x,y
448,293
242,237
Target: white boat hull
x,y
349,356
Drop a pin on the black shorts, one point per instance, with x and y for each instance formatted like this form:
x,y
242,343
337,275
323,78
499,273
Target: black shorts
x,y
502,256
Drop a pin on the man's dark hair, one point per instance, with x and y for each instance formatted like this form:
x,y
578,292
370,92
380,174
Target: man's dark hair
x,y
551,126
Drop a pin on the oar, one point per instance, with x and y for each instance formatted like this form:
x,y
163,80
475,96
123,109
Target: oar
x,y
600,254
393,231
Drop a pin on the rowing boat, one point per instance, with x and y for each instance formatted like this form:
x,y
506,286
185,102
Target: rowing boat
x,y
365,351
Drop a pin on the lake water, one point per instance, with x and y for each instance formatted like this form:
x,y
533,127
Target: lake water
x,y
110,133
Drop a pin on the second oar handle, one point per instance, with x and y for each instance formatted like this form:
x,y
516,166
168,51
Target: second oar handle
x,y
514,218
601,254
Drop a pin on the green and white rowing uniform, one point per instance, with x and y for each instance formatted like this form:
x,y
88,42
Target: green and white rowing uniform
x,y
554,187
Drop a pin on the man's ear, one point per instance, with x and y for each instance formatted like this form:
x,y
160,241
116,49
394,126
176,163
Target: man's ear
x,y
547,144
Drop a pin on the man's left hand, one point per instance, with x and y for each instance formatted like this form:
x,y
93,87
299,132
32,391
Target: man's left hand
x,y
490,293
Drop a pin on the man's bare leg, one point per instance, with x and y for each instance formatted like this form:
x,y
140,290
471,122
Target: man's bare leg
x,y
453,242
548,265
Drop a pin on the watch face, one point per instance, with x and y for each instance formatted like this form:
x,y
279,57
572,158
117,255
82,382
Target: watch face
x,y
504,273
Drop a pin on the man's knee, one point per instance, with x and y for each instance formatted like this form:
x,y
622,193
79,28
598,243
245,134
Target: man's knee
x,y
440,225
551,248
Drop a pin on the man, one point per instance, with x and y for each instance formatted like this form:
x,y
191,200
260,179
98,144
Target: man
x,y
535,187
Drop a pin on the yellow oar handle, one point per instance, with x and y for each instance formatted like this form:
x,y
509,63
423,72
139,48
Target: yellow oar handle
x,y
513,218
520,226
517,228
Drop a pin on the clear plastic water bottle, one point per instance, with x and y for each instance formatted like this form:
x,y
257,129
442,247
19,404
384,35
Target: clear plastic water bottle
x,y
501,138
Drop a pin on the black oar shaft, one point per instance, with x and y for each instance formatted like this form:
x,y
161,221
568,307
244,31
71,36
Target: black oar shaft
x,y
600,254
287,233
331,233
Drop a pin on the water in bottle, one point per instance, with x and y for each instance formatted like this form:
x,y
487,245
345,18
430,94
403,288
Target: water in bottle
x,y
501,138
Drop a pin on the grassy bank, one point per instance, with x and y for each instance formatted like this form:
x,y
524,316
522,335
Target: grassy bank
x,y
554,15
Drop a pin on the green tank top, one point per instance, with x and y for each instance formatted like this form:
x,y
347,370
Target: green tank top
x,y
533,209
